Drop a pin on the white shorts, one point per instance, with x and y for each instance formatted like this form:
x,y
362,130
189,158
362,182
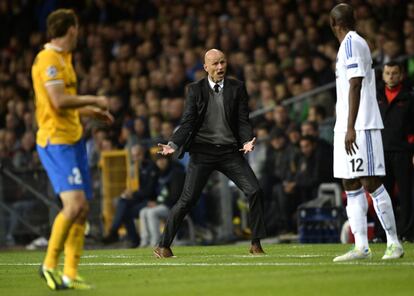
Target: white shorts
x,y
368,160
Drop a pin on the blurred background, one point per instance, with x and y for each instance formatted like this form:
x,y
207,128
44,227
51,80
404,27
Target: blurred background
x,y
142,54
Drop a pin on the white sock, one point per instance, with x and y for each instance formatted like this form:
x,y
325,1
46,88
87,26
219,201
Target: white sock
x,y
356,210
66,280
385,213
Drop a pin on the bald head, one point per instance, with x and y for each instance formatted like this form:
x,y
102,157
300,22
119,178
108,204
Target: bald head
x,y
215,64
342,16
212,53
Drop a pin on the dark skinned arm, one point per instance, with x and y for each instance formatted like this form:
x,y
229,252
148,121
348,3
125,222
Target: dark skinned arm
x,y
355,85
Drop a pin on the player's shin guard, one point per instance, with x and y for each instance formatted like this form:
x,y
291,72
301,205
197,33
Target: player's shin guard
x,y
357,216
385,213
73,250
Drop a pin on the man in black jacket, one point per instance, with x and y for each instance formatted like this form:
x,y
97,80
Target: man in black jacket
x,y
396,103
215,129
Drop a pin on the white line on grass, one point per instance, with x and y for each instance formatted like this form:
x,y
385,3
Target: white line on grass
x,y
207,256
267,256
201,264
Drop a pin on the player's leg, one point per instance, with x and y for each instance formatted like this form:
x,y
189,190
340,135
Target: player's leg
x,y
349,168
383,208
77,201
58,235
61,232
356,209
380,197
60,164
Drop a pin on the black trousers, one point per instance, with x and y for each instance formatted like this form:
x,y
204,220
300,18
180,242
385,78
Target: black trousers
x,y
399,170
201,165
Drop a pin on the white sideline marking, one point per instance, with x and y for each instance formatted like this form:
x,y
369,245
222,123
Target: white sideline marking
x,y
225,264
267,256
109,256
208,256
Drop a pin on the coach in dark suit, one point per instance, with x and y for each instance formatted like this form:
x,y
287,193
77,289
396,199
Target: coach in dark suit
x,y
215,129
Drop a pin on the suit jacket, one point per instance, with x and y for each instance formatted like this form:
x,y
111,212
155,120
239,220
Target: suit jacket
x,y
397,118
236,110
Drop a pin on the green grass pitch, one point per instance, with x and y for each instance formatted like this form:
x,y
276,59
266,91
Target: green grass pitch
x,y
288,269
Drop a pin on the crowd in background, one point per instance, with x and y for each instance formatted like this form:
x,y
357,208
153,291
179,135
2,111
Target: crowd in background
x,y
142,54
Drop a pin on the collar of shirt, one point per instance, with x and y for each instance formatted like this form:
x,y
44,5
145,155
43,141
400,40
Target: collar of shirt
x,y
54,47
212,83
392,93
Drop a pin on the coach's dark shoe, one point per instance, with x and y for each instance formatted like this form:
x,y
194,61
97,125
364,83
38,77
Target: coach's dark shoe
x,y
160,252
256,250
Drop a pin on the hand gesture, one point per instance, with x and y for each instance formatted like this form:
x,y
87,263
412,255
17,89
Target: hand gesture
x,y
165,149
104,116
102,102
350,138
249,146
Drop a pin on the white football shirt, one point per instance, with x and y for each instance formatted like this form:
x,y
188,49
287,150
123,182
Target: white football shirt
x,y
354,60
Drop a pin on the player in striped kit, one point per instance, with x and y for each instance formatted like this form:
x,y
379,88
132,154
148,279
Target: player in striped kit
x,y
358,150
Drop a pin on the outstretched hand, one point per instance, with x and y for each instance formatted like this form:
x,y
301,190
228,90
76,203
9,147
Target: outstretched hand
x,y
165,149
104,116
97,113
249,146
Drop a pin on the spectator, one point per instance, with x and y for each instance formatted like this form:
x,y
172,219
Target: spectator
x,y
293,133
281,117
313,169
317,113
24,156
167,190
321,67
323,148
130,202
257,158
167,130
154,127
279,168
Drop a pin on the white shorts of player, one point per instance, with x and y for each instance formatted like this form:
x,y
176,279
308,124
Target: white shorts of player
x,y
368,160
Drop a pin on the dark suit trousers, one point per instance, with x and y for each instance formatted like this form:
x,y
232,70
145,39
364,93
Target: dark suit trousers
x,y
201,165
399,171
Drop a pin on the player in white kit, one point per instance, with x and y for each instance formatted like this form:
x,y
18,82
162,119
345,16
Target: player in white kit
x,y
358,151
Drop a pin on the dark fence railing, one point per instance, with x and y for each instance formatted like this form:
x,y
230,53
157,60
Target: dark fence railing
x,y
306,95
28,205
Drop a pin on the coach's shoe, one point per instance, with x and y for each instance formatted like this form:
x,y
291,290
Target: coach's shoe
x,y
256,250
75,284
53,277
163,252
394,251
354,254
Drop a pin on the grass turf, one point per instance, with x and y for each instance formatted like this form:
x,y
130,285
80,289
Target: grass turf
x,y
221,270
